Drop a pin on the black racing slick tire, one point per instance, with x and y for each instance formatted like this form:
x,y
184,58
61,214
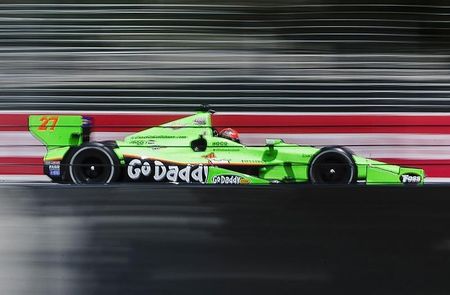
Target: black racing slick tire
x,y
93,163
333,165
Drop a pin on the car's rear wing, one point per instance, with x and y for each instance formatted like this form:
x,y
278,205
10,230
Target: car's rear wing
x,y
60,130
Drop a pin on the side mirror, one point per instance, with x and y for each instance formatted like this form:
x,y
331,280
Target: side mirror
x,y
270,142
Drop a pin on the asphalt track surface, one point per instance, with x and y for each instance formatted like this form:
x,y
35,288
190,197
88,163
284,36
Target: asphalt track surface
x,y
164,239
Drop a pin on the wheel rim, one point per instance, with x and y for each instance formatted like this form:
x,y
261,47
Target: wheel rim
x,y
332,168
91,165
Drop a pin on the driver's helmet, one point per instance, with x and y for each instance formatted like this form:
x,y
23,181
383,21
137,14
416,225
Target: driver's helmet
x,y
229,133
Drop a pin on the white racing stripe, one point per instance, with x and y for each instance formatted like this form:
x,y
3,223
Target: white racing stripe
x,y
377,145
437,180
23,178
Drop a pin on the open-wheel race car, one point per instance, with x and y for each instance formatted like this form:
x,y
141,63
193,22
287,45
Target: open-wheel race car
x,y
190,150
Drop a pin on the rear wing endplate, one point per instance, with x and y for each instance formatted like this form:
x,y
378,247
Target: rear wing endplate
x,y
58,130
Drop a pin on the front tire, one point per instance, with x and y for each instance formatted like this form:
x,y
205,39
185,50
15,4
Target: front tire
x,y
93,163
332,165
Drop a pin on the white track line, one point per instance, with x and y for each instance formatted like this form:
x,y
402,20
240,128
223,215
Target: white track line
x,y
24,178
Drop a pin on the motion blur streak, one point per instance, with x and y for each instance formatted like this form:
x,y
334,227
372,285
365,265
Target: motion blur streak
x,y
224,240
246,55
35,246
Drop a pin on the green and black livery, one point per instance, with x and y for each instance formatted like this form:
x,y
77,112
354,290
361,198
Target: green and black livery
x,y
188,150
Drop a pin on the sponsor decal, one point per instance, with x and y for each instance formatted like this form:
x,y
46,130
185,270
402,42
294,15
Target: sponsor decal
x,y
167,136
200,121
151,137
213,160
209,156
228,149
410,178
149,170
230,179
142,142
141,136
54,168
219,143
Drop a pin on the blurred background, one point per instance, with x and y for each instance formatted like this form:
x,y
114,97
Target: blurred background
x,y
237,55
281,56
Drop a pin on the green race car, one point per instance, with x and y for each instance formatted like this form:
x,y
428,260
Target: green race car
x,y
190,150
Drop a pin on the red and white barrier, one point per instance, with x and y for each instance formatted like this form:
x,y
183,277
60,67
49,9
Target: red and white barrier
x,y
412,139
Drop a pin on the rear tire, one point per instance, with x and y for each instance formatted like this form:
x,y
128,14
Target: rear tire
x,y
93,163
332,165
